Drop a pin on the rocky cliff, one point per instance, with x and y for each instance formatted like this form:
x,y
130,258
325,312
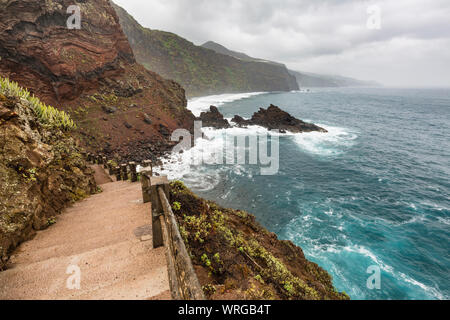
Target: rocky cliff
x,y
199,70
41,167
91,73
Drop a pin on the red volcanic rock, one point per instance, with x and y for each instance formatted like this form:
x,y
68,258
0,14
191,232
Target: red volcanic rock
x,y
36,45
89,73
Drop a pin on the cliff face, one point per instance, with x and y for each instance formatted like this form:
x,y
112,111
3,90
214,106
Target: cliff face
x,y
199,70
91,73
41,170
36,45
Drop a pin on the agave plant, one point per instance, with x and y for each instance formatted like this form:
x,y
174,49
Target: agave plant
x,y
46,114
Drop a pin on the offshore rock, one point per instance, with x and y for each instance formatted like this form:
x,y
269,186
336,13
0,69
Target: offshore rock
x,y
213,118
274,118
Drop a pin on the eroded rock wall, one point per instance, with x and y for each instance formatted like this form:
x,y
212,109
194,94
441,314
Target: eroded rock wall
x,y
38,50
42,170
121,108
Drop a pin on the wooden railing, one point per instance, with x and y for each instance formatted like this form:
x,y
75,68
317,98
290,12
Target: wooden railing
x,y
183,281
184,284
124,171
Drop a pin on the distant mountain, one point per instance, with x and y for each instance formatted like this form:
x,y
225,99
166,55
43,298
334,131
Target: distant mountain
x,y
304,79
201,71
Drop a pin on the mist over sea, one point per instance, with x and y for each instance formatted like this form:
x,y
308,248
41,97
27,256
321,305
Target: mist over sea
x,y
374,191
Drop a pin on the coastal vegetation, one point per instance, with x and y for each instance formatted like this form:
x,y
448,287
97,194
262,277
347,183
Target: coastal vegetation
x,y
46,114
236,258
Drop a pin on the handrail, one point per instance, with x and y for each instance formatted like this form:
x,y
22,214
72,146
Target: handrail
x,y
183,279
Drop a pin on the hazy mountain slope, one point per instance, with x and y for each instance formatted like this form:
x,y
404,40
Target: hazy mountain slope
x,y
199,70
239,55
304,79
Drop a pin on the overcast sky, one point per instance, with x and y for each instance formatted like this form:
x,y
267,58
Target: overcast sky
x,y
412,48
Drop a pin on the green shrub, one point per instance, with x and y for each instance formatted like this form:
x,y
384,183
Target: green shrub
x,y
176,206
47,115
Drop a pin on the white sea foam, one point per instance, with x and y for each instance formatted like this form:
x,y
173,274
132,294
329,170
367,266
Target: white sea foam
x,y
204,178
335,142
198,105
208,150
433,291
398,275
444,220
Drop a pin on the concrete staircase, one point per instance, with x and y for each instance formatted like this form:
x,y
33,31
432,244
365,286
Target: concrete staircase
x,y
107,236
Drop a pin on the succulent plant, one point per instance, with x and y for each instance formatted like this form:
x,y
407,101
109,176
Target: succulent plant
x,y
46,114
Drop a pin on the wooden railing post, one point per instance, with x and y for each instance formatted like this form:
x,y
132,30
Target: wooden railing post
x,y
124,170
117,172
145,182
157,207
110,169
147,164
133,172
183,280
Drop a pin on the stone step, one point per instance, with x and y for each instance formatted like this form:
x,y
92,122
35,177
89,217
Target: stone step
x,y
108,236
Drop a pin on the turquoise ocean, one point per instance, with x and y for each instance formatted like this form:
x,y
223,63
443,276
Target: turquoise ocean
x,y
374,191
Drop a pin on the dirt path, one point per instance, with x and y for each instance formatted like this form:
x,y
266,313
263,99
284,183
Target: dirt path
x,y
107,238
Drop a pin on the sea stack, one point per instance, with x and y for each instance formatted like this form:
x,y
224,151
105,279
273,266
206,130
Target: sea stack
x,y
273,118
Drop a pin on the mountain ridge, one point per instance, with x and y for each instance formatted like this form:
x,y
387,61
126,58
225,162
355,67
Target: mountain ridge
x,y
304,79
199,70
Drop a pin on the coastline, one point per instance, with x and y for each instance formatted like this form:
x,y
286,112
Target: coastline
x,y
176,166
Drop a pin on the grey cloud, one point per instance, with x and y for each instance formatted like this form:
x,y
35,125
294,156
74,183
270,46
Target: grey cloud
x,y
315,35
